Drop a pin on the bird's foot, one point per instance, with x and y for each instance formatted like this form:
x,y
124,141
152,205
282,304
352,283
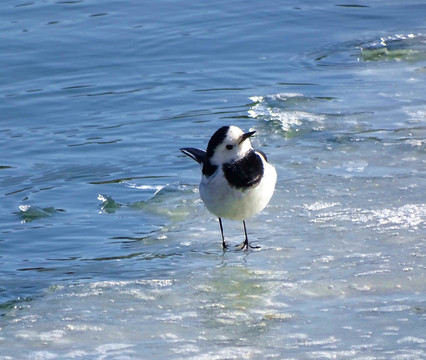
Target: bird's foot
x,y
224,245
245,245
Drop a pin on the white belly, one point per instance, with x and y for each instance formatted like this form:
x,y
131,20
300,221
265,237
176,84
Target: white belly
x,y
228,202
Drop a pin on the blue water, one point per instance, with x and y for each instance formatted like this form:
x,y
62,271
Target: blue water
x,y
106,250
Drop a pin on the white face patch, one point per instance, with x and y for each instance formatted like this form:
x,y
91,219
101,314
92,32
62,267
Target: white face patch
x,y
232,147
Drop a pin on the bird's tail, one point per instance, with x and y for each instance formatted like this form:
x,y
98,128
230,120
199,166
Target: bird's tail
x,y
198,155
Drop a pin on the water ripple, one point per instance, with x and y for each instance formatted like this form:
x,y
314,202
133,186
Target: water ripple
x,y
399,47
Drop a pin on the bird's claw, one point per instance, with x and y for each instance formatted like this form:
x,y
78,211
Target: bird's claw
x,y
245,246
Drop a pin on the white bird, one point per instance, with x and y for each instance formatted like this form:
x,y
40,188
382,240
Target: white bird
x,y
237,181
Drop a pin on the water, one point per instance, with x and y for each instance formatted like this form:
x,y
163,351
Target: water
x,y
106,249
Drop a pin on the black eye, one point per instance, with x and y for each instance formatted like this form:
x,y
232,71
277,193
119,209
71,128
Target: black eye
x,y
229,147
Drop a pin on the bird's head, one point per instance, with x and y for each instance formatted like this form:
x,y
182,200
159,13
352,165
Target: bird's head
x,y
228,144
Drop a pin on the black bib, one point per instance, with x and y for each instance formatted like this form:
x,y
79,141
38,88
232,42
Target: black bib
x,y
246,172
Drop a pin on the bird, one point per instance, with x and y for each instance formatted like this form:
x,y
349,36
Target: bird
x,y
237,181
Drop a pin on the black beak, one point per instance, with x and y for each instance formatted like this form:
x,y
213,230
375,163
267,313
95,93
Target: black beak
x,y
246,136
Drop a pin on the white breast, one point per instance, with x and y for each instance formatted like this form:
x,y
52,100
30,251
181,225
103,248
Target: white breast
x,y
228,202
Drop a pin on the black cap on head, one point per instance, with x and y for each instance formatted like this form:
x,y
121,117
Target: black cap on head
x,y
216,139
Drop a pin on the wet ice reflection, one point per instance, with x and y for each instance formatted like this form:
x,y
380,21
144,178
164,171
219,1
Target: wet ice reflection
x,y
229,311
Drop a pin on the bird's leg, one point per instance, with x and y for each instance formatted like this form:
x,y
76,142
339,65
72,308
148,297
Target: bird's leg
x,y
245,245
223,237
